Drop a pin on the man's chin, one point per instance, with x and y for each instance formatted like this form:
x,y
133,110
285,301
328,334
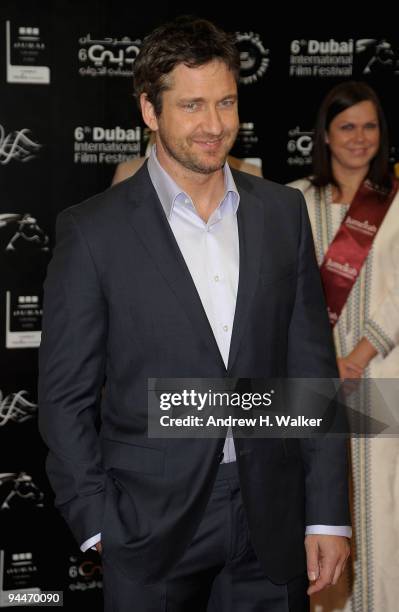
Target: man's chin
x,y
210,169
210,166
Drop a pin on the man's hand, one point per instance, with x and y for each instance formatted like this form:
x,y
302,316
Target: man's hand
x,y
326,557
99,547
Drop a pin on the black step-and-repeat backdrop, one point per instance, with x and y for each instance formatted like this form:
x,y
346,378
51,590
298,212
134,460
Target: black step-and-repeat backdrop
x,y
67,118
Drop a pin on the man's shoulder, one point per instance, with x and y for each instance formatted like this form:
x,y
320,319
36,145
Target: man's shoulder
x,y
103,204
110,205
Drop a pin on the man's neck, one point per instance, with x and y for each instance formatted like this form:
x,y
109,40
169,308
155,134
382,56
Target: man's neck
x,y
205,190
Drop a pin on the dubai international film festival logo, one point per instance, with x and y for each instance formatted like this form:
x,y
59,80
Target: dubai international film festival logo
x,y
254,57
108,56
106,145
18,489
299,147
16,408
17,145
321,58
84,574
26,55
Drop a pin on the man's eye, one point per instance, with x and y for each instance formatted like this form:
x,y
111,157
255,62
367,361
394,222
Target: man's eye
x,y
190,106
227,103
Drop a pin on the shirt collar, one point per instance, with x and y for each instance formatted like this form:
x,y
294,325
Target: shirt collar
x,y
168,191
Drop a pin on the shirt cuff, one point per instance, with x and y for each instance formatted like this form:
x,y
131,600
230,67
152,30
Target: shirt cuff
x,y
90,543
337,530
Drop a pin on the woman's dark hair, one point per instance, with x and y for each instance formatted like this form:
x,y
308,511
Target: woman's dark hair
x,y
186,40
338,99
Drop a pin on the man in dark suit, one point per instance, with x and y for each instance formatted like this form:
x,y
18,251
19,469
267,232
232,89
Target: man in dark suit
x,y
189,270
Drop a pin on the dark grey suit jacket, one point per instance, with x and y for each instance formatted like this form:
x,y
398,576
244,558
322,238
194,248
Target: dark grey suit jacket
x,y
120,307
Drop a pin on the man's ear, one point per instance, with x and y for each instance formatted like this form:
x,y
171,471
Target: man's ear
x,y
326,138
148,112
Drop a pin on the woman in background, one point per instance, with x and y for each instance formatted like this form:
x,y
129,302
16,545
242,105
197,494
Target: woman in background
x,y
353,205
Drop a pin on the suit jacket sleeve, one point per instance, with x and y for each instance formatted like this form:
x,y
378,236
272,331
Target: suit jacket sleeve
x,y
311,355
71,375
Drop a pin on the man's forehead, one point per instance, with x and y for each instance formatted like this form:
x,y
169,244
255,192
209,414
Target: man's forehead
x,y
215,73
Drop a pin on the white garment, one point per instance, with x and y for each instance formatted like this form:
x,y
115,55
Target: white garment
x,y
372,310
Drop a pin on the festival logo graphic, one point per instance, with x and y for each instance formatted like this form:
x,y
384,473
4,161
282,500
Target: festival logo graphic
x,y
22,229
254,57
19,575
16,408
23,321
17,145
299,147
26,55
101,145
109,57
321,58
17,490
378,56
84,573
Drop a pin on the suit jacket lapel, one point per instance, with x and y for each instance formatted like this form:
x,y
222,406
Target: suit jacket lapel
x,y
250,231
151,227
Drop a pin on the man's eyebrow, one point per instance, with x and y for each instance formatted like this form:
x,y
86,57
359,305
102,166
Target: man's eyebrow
x,y
200,99
186,99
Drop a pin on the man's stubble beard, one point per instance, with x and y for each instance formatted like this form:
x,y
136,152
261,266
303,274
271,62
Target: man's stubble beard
x,y
188,160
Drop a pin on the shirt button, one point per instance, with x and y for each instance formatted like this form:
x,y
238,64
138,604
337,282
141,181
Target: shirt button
x,y
216,278
187,201
225,328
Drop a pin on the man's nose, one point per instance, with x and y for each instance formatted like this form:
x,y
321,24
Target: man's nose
x,y
212,122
